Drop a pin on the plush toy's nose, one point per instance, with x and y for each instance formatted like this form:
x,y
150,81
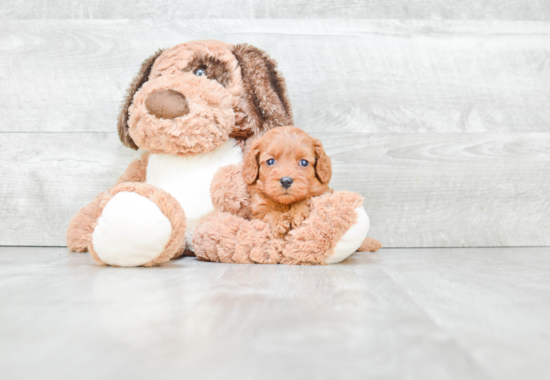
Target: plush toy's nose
x,y
166,104
286,182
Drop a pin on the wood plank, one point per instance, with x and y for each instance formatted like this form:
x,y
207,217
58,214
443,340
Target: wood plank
x,y
448,190
421,190
343,75
493,301
197,320
187,9
48,177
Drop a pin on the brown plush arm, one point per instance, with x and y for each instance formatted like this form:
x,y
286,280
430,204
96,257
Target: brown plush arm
x,y
82,224
226,238
229,191
136,171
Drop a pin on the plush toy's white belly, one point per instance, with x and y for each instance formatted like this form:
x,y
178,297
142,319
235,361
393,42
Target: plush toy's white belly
x,y
188,179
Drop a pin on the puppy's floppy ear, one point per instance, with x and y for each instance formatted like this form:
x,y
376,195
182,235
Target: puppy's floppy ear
x,y
141,77
251,168
264,93
323,164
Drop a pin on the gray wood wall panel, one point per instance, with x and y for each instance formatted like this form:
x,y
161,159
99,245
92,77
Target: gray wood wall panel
x,y
48,177
186,9
343,75
377,76
448,190
443,126
421,190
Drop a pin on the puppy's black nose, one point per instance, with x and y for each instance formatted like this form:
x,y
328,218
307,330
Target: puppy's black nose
x,y
286,182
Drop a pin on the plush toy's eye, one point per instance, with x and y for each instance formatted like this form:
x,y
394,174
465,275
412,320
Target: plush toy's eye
x,y
200,72
270,162
304,163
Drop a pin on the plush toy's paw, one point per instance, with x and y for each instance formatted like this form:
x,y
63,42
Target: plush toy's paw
x,y
131,231
139,225
370,245
335,228
352,239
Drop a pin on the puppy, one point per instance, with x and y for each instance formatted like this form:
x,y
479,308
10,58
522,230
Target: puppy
x,y
284,169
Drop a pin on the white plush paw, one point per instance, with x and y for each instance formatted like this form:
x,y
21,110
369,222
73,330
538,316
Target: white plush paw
x,y
352,239
131,231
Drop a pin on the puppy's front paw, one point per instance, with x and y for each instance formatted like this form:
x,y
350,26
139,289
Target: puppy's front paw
x,y
281,227
298,220
299,213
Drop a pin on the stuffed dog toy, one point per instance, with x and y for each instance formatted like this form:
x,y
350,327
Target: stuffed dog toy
x,y
192,109
284,169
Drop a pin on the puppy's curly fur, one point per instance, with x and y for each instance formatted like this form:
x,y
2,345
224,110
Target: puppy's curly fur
x,y
284,169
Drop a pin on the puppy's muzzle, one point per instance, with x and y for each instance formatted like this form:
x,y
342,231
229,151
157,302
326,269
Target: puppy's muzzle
x,y
286,182
166,104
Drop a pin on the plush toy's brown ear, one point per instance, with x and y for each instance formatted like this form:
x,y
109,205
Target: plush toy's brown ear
x,y
251,168
136,84
264,92
323,163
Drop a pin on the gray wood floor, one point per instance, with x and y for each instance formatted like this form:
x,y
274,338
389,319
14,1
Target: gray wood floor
x,y
398,314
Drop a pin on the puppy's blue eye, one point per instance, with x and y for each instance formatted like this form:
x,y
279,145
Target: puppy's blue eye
x,y
270,162
304,163
200,72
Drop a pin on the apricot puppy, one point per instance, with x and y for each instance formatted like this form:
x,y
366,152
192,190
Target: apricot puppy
x,y
284,169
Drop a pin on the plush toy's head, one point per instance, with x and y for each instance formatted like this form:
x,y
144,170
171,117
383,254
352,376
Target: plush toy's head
x,y
191,98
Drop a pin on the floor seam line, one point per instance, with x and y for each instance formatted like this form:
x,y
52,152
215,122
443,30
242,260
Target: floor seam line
x,y
466,352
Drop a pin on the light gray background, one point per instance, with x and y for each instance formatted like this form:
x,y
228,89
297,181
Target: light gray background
x,y
437,112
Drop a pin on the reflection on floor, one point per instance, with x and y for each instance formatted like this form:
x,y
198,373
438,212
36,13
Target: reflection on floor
x,y
477,313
